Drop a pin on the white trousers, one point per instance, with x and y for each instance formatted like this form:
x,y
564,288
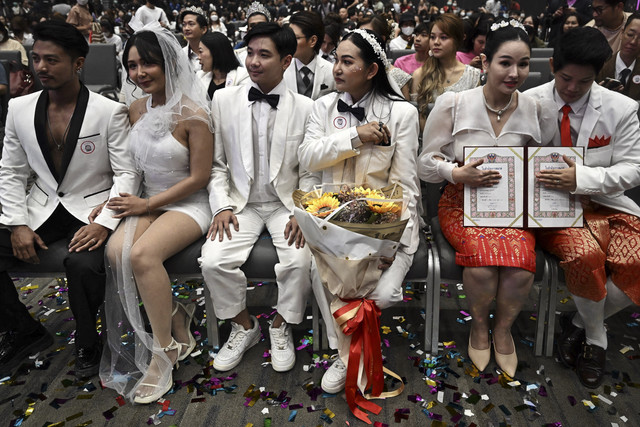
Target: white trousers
x,y
387,293
221,262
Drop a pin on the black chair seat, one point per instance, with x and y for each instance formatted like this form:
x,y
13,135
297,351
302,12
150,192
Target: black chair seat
x,y
260,264
420,266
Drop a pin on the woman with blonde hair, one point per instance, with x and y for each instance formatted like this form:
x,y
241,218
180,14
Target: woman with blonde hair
x,y
442,72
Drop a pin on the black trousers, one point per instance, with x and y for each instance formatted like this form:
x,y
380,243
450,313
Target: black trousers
x,y
85,279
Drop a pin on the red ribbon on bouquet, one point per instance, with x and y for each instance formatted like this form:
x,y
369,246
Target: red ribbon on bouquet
x,y
360,318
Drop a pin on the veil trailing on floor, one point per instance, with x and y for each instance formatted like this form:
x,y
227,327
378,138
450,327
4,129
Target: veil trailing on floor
x,y
129,345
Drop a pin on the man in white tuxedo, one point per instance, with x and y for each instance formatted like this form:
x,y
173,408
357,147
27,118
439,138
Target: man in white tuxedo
x,y
600,260
255,171
75,143
309,74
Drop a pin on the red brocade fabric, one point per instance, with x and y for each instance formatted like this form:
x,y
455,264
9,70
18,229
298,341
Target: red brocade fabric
x,y
609,243
483,246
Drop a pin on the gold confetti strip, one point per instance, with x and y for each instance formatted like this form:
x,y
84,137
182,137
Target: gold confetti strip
x,y
448,343
74,416
431,404
249,425
328,412
60,310
431,382
29,410
29,287
58,424
86,423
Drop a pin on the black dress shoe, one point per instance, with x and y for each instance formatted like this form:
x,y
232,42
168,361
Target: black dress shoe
x,y
88,360
570,341
590,365
15,347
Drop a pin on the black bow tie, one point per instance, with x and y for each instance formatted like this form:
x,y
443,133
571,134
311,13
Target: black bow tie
x,y
358,112
256,95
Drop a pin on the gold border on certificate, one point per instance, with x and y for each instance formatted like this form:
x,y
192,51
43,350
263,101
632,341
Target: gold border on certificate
x,y
501,205
547,207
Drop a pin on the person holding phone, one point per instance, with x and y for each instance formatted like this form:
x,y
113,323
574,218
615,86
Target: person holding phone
x,y
622,71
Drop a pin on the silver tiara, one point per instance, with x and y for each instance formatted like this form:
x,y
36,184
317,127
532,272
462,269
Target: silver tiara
x,y
193,9
503,24
379,51
257,7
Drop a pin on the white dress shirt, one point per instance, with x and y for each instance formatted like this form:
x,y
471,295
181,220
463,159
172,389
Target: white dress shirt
x,y
263,120
576,114
193,58
620,65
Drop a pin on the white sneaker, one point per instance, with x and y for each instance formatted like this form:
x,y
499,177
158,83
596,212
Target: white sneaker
x,y
283,355
240,340
335,378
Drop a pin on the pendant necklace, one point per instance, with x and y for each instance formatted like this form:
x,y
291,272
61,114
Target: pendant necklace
x,y
498,111
64,136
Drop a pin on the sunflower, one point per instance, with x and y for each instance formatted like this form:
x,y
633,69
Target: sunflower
x,y
368,193
323,206
381,207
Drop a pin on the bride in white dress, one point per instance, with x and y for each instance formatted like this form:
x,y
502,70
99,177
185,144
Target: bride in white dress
x,y
172,144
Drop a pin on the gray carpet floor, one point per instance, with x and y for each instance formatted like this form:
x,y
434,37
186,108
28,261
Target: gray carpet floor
x,y
442,390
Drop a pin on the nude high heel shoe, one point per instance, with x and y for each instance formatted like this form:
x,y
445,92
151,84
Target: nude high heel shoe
x,y
480,358
507,362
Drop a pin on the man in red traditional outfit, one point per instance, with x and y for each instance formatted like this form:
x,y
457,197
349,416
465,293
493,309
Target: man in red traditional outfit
x,y
601,260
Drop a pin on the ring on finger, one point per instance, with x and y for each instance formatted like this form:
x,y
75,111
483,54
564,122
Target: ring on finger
x,y
557,181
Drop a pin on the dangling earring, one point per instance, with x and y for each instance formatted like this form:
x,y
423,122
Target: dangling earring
x,y
430,52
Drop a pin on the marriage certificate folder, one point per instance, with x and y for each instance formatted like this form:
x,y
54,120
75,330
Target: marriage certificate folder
x,y
518,200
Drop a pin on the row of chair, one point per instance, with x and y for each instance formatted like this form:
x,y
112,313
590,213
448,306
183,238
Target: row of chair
x,y
99,74
433,263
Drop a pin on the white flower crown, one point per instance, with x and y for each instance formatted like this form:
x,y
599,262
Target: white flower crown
x,y
257,7
377,49
503,24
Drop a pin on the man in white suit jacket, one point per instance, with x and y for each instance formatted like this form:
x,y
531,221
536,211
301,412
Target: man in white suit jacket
x,y
309,74
601,260
255,171
75,143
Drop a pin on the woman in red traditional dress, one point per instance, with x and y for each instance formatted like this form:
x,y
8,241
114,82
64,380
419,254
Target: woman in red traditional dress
x,y
499,262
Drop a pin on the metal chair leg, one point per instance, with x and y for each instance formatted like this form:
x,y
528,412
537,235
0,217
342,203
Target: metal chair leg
x,y
212,320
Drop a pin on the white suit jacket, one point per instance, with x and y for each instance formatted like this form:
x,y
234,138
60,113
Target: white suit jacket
x,y
235,77
610,135
233,169
96,165
327,144
323,81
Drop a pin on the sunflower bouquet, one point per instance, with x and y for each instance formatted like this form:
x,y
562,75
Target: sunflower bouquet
x,y
349,229
360,205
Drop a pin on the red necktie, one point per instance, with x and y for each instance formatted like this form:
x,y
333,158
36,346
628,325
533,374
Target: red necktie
x,y
565,127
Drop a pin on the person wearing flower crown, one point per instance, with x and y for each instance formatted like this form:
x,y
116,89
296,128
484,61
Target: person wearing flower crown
x,y
258,129
499,263
600,260
171,143
442,72
365,133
